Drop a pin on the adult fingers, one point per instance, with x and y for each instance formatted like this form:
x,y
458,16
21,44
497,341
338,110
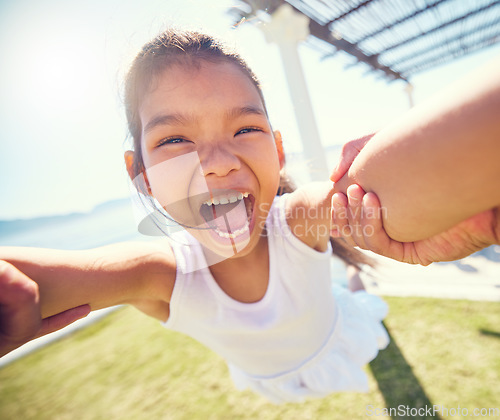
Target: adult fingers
x,y
63,319
19,304
19,308
375,236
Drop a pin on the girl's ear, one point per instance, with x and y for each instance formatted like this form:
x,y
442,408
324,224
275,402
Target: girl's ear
x,y
129,162
279,147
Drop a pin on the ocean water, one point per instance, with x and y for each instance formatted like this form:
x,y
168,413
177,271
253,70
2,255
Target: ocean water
x,y
108,223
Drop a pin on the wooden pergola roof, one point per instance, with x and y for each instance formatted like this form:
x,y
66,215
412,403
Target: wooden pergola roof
x,y
396,38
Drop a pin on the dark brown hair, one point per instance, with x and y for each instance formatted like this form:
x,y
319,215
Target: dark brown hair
x,y
189,48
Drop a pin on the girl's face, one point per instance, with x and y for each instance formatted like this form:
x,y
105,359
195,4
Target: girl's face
x,y
210,154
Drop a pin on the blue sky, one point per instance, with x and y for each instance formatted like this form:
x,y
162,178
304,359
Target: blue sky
x,y
62,130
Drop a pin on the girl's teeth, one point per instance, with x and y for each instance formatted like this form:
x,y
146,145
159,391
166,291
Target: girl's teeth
x,y
233,235
226,200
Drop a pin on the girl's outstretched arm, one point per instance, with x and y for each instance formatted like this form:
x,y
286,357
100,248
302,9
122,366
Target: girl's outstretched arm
x,y
440,164
101,277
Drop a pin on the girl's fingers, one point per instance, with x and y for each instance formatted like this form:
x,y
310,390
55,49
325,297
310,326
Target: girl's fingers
x,y
339,218
355,214
357,218
347,155
340,222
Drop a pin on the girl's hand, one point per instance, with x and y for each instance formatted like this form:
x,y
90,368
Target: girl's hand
x,y
357,218
20,319
349,152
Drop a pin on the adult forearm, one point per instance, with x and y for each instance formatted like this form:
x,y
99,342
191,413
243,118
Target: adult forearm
x,y
439,164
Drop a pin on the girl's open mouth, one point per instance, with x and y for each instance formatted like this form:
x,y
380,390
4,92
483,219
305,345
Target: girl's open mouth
x,y
228,213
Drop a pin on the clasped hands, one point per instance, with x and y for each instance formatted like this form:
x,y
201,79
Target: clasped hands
x,y
20,318
357,217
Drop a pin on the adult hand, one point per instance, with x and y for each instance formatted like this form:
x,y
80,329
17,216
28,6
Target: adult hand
x,y
357,218
20,319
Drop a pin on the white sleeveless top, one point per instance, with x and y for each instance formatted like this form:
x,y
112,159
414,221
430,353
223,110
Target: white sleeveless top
x,y
302,339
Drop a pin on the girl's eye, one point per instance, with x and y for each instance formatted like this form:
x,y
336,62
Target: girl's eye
x,y
171,140
248,130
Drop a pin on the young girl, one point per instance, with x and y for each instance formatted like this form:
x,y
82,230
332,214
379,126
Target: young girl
x,y
249,275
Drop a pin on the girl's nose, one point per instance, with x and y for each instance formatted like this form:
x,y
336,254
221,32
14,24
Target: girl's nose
x,y
218,161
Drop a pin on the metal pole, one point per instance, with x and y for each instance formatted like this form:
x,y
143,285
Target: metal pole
x,y
287,28
409,91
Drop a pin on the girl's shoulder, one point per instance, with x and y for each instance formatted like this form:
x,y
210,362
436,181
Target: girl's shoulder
x,y
157,262
308,214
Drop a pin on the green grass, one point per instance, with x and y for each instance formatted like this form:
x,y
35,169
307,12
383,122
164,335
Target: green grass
x,y
127,366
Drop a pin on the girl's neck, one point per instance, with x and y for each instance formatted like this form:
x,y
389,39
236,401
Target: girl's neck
x,y
245,278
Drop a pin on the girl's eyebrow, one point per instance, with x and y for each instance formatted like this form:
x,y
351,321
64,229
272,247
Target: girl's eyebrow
x,y
245,110
179,119
164,119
